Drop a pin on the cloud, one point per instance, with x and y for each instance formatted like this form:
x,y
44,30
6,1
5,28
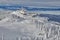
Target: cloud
x,y
40,3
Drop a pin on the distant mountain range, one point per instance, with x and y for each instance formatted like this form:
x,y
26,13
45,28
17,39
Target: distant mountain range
x,y
51,17
30,8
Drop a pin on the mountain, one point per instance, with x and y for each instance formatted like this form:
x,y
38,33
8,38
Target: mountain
x,y
51,17
30,8
25,25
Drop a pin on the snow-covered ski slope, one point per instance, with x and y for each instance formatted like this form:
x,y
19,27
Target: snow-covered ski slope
x,y
25,25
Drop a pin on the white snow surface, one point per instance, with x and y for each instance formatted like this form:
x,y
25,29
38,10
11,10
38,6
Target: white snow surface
x,y
16,25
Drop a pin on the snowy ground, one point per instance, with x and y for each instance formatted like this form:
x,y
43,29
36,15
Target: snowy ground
x,y
13,27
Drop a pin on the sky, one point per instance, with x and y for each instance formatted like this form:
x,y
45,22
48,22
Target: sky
x,y
32,3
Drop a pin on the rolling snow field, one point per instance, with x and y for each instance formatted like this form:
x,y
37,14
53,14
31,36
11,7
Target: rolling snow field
x,y
32,25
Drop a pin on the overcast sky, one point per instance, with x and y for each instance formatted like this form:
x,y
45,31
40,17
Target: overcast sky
x,y
38,3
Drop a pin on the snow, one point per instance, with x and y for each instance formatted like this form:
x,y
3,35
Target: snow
x,y
16,26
